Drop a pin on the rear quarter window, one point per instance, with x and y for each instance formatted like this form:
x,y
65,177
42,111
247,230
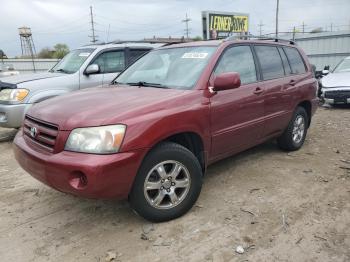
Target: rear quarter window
x,y
295,60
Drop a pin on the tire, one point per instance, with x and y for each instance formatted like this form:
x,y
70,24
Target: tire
x,y
287,141
160,164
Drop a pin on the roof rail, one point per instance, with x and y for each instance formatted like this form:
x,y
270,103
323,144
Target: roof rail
x,y
155,41
253,37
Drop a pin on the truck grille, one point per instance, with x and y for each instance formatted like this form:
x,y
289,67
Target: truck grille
x,y
338,94
40,133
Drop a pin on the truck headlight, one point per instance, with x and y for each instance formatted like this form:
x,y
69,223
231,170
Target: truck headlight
x,y
13,95
96,140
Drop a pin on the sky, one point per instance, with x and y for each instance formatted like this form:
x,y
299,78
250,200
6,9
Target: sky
x,y
68,21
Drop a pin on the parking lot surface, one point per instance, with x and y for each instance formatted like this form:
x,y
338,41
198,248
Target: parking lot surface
x,y
278,206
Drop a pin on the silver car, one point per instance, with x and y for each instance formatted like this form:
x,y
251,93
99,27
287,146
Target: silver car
x,y
336,84
88,66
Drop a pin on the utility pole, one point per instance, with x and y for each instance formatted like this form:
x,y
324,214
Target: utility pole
x,y
303,26
93,37
277,11
331,27
187,30
260,28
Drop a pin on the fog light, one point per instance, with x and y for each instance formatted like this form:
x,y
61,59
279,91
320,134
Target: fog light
x,y
3,117
78,180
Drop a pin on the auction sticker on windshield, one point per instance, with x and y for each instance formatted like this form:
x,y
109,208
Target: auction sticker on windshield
x,y
195,55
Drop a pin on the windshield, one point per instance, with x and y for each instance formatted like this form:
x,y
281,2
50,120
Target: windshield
x,y
343,66
72,61
177,68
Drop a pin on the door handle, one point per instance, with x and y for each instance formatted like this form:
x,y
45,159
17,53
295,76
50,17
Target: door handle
x,y
258,91
292,82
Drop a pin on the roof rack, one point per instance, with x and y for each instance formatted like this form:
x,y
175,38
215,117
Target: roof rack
x,y
253,37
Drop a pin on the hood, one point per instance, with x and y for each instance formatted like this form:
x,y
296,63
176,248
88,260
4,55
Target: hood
x,y
29,77
103,106
336,80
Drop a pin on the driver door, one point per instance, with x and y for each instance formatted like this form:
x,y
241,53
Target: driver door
x,y
237,114
111,62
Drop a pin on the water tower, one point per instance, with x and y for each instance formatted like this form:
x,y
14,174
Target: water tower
x,y
27,43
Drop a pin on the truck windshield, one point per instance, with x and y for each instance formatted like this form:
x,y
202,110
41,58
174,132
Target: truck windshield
x,y
72,61
343,66
177,68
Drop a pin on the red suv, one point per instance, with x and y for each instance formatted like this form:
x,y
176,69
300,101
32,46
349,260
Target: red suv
x,y
150,135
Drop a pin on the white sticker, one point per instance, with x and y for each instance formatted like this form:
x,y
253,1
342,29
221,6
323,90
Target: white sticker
x,y
84,54
195,55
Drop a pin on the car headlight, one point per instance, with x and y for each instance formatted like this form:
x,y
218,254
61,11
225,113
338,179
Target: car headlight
x,y
96,140
13,95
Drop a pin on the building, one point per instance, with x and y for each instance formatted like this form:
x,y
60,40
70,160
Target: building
x,y
326,48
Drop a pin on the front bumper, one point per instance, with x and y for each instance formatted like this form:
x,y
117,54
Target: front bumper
x,y
337,95
11,116
86,175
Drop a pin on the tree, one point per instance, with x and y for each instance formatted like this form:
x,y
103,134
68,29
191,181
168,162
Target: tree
x,y
197,38
60,50
46,53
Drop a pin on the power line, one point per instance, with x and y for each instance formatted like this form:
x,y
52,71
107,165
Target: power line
x,y
93,37
187,30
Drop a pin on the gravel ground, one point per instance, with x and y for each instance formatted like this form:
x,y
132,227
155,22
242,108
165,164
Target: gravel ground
x,y
278,206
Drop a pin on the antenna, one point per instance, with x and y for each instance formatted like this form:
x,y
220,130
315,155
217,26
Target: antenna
x,y
93,36
187,30
27,43
277,11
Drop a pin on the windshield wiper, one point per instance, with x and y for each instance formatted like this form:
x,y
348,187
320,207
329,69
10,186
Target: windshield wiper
x,y
62,70
146,84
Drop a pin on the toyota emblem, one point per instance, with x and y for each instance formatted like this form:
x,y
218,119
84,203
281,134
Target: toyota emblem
x,y
33,131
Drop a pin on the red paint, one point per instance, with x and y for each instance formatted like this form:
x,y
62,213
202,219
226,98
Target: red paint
x,y
227,122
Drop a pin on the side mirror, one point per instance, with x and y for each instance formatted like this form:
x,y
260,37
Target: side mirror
x,y
92,69
226,81
325,72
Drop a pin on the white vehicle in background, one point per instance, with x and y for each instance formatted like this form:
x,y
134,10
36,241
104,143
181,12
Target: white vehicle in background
x,y
7,70
336,84
85,67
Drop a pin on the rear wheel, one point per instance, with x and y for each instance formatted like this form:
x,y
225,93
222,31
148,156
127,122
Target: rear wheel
x,y
168,183
294,136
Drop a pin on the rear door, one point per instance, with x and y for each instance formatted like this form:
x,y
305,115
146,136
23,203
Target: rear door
x,y
274,83
236,114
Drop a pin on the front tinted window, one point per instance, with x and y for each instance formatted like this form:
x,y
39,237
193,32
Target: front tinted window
x,y
72,61
295,60
111,62
270,62
135,54
177,67
238,59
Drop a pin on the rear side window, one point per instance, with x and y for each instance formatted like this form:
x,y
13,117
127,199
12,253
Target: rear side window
x,y
135,54
286,65
238,59
295,60
270,62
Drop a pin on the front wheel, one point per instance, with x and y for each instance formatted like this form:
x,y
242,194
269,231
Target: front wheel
x,y
294,136
168,183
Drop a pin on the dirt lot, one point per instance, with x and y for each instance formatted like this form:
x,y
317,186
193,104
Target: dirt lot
x,y
279,206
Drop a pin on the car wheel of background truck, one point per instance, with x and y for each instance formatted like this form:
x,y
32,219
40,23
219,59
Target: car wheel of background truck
x,y
294,136
168,183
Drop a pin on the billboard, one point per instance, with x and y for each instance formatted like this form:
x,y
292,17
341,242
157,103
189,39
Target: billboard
x,y
219,25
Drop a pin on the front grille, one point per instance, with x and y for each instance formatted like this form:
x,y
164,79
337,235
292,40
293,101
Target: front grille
x,y
40,133
337,94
